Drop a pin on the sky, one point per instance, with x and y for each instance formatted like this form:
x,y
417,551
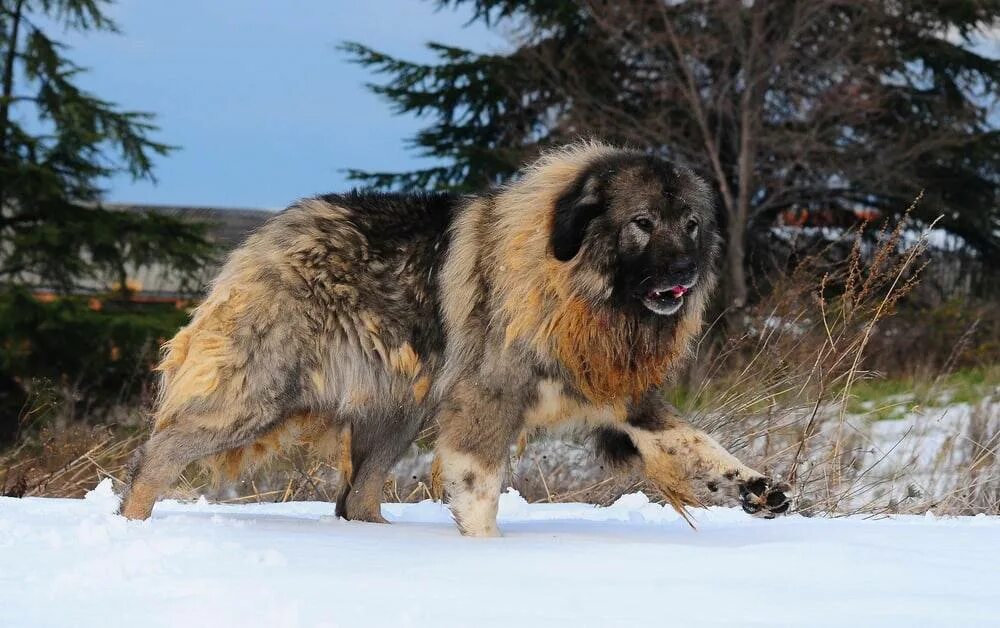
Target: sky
x,y
263,106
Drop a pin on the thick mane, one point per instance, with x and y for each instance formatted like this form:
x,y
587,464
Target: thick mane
x,y
610,354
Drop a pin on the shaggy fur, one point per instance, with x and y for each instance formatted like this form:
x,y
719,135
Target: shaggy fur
x,y
568,296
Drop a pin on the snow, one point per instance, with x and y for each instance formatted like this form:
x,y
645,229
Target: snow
x,y
71,562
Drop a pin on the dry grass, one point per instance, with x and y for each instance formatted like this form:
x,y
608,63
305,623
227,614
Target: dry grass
x,y
65,462
782,391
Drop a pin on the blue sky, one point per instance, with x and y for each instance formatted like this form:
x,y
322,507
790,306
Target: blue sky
x,y
264,108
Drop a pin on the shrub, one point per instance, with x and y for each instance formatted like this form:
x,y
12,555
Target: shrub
x,y
69,358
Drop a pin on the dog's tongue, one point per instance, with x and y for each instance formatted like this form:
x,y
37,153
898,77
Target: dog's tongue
x,y
676,292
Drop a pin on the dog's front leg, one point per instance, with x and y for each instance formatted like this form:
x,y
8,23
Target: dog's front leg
x,y
477,427
684,462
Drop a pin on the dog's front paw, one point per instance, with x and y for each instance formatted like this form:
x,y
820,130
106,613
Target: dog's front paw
x,y
763,498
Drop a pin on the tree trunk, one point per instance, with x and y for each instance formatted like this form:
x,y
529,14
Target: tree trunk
x,y
739,215
735,280
739,212
7,89
7,92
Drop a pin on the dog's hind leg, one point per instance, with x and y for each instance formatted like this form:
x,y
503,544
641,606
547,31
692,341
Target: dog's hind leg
x,y
375,450
345,465
158,463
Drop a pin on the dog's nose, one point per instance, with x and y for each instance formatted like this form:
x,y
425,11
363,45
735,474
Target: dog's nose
x,y
683,269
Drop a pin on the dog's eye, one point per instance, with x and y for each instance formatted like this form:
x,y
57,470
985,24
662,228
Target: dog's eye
x,y
643,223
692,227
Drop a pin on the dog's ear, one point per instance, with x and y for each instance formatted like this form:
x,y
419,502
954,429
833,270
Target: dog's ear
x,y
574,211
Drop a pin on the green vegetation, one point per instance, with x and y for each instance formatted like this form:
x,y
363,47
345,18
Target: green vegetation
x,y
77,362
885,398
876,397
58,144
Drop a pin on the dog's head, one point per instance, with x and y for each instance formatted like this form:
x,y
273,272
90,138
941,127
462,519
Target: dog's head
x,y
647,229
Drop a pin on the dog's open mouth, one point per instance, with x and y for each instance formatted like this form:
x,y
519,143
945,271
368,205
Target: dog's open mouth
x,y
665,300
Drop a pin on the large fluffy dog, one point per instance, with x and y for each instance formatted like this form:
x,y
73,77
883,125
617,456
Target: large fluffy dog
x,y
567,295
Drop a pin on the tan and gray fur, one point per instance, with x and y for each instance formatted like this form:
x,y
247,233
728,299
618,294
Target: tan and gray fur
x,y
568,296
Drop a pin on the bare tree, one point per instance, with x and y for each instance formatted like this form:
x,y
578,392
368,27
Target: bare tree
x,y
784,105
807,106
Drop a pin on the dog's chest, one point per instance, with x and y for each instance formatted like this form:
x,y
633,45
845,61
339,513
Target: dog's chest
x,y
554,406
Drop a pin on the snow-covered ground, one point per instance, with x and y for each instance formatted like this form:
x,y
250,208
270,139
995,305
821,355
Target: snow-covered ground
x,y
71,563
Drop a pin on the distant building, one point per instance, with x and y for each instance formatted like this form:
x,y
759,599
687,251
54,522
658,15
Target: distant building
x,y
226,228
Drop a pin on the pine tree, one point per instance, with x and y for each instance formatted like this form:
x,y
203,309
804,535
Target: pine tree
x,y
490,111
57,143
800,106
